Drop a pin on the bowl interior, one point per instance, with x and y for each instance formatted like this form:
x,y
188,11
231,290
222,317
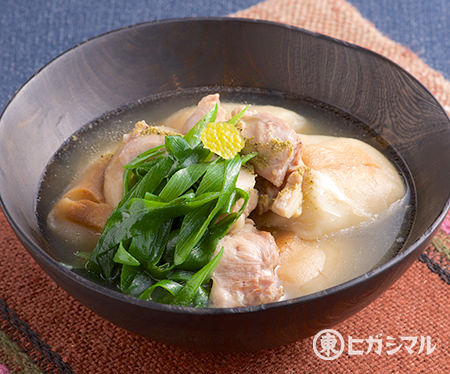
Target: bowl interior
x,y
130,65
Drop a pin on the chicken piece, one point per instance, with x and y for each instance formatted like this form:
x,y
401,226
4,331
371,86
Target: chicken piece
x,y
245,181
246,274
142,138
203,107
279,162
84,204
267,194
288,203
277,144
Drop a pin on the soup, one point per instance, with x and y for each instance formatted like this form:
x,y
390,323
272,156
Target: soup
x,y
310,206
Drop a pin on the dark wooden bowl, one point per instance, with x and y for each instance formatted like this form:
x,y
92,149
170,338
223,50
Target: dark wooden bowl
x,y
127,65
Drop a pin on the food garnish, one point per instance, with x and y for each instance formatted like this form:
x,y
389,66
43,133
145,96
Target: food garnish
x,y
223,138
159,242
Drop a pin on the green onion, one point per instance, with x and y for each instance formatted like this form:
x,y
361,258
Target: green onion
x,y
186,295
159,241
177,146
144,156
193,135
168,285
237,117
182,180
124,258
133,280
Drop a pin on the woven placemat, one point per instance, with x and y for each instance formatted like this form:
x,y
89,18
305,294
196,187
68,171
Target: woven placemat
x,y
50,332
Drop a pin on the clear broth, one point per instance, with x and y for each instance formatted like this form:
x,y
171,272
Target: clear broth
x,y
356,250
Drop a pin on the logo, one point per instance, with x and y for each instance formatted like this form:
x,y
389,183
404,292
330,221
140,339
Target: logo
x,y
328,344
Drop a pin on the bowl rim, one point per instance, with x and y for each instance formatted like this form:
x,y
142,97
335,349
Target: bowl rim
x,y
97,288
